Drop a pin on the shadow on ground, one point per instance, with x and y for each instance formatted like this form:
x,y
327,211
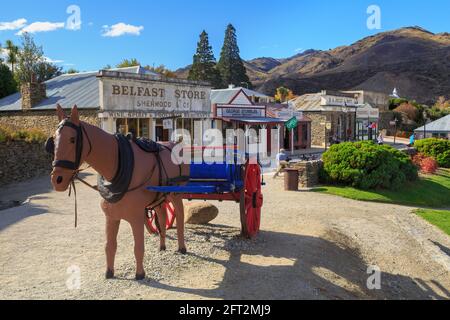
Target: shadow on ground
x,y
288,266
11,216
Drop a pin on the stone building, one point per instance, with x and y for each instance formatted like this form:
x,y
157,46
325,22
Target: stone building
x,y
332,115
118,100
342,116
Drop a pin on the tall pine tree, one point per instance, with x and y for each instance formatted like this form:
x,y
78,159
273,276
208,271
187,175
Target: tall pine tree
x,y
230,65
204,64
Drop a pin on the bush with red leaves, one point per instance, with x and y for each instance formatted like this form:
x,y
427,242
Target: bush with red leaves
x,y
425,164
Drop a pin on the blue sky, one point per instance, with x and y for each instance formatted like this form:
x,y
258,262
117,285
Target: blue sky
x,y
166,32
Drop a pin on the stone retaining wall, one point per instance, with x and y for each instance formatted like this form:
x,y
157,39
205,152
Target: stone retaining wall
x,y
45,121
20,161
308,173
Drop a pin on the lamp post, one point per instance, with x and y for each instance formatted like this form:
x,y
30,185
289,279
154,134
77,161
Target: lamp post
x,y
424,124
395,132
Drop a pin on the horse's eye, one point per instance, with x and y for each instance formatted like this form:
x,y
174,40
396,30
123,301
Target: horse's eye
x,y
72,140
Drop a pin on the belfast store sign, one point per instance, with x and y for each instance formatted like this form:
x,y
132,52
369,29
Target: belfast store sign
x,y
153,96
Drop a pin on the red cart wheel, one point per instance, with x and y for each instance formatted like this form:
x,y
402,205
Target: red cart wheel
x,y
151,223
251,201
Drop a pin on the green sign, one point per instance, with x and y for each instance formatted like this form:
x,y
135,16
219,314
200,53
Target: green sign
x,y
291,123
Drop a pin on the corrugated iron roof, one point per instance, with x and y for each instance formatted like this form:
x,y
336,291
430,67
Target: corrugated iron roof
x,y
224,96
440,125
81,89
308,102
67,90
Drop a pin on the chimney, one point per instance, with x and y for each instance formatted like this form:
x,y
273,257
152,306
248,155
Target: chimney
x,y
231,86
32,93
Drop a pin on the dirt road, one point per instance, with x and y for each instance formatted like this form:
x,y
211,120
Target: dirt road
x,y
312,246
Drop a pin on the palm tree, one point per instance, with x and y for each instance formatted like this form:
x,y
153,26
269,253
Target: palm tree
x,y
13,51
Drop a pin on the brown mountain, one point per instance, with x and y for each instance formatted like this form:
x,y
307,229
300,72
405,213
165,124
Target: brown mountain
x,y
414,60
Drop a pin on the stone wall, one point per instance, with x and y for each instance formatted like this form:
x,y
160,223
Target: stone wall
x,y
318,120
20,161
317,128
46,121
308,173
383,122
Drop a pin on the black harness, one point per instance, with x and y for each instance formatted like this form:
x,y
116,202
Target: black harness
x,y
115,190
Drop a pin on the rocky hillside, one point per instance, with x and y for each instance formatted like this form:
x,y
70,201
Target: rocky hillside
x,y
414,60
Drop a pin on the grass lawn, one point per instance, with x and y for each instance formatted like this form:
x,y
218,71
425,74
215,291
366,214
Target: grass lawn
x,y
429,191
440,218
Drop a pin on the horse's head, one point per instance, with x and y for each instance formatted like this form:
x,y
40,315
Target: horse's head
x,y
67,147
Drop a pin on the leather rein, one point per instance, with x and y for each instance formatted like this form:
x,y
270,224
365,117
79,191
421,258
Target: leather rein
x,y
75,165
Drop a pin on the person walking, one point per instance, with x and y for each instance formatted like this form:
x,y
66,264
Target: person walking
x,y
380,139
282,162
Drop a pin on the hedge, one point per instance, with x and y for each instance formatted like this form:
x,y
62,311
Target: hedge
x,y
439,149
367,165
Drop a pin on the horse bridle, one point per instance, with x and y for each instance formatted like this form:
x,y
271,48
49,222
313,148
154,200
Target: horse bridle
x,y
67,164
71,165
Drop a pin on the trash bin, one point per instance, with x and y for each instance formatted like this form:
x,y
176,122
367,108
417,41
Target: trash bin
x,y
290,179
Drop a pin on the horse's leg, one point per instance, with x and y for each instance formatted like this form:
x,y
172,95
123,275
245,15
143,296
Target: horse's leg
x,y
112,228
162,217
137,225
179,213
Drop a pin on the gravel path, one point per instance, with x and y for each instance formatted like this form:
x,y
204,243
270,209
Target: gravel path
x,y
312,246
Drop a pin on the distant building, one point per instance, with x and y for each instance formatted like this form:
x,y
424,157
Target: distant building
x,y
436,129
241,108
333,109
377,100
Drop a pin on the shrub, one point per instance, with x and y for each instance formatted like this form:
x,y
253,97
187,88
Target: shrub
x,y
367,165
424,163
28,135
439,149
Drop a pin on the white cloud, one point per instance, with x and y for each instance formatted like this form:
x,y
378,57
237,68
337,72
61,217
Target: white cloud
x,y
299,50
13,25
42,27
121,29
49,60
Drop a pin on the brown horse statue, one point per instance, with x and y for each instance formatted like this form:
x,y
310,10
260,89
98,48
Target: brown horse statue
x,y
76,142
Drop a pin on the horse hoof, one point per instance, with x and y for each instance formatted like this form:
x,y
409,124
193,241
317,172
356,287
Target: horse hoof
x,y
109,274
140,276
182,250
162,248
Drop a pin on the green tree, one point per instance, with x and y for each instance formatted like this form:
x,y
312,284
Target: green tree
x,y
230,65
72,71
204,64
32,65
12,54
47,71
7,83
30,56
161,69
128,63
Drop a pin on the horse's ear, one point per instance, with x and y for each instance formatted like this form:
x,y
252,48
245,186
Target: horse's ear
x,y
60,112
74,116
